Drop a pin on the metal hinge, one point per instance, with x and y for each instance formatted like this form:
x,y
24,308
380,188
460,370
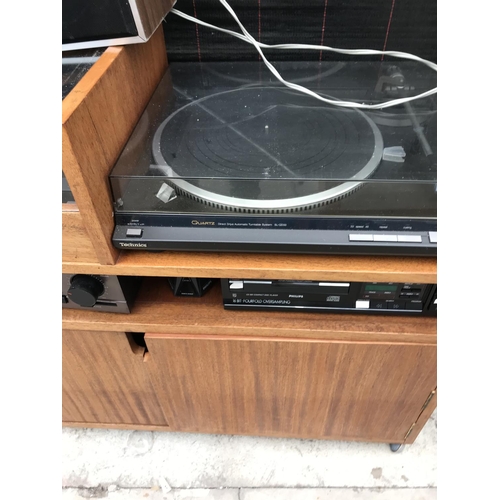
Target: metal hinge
x,y
426,404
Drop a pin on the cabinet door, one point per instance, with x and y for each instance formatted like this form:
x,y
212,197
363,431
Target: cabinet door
x,y
104,380
308,389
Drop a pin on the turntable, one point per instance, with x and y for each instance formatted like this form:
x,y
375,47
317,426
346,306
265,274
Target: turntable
x,y
224,158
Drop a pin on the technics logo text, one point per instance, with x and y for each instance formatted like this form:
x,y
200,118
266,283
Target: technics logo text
x,y
135,245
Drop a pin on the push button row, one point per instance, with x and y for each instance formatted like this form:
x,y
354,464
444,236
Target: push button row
x,y
413,305
396,238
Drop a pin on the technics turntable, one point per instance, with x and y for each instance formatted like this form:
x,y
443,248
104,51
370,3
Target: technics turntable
x,y
225,158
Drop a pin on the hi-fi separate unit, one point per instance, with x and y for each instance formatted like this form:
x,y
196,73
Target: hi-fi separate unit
x,y
99,293
356,297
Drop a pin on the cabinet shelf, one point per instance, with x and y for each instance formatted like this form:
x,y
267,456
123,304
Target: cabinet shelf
x,y
271,266
158,310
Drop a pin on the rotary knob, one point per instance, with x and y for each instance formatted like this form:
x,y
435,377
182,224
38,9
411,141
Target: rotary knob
x,y
85,290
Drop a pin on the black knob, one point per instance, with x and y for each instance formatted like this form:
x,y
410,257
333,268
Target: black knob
x,y
85,290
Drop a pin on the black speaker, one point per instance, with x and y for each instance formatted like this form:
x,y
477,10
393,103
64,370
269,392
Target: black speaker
x,y
190,287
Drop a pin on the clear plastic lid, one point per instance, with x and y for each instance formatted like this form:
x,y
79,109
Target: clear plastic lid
x,y
229,136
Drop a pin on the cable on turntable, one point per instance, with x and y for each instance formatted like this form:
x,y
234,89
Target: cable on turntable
x,y
247,37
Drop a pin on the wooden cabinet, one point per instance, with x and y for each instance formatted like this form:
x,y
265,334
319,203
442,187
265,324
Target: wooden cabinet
x,y
304,375
264,386
205,369
295,388
104,380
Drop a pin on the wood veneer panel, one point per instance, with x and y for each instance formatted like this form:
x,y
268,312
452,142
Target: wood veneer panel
x,y
422,419
76,244
98,116
156,309
292,388
152,13
269,266
105,381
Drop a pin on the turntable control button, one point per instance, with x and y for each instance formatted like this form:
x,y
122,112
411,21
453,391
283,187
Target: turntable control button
x,y
362,304
361,237
134,233
409,238
385,237
433,236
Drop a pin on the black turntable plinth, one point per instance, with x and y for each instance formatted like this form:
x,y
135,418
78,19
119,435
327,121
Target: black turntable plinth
x,y
226,159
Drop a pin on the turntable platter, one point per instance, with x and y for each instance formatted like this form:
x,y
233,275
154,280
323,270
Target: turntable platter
x,y
226,149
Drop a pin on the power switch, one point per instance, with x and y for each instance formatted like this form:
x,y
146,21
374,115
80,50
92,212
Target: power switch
x,y
362,304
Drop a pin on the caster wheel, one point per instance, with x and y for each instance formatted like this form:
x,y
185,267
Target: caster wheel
x,y
396,447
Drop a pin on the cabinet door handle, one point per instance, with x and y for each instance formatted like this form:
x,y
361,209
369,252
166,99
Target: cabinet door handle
x,y
137,344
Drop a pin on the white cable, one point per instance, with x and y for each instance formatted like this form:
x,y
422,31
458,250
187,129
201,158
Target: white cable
x,y
247,37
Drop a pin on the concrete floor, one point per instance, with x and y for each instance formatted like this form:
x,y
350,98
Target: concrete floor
x,y
120,465
254,494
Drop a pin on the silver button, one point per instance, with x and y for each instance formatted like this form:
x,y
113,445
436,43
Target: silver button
x,y
433,236
334,284
362,304
385,237
361,237
134,232
409,238
235,285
